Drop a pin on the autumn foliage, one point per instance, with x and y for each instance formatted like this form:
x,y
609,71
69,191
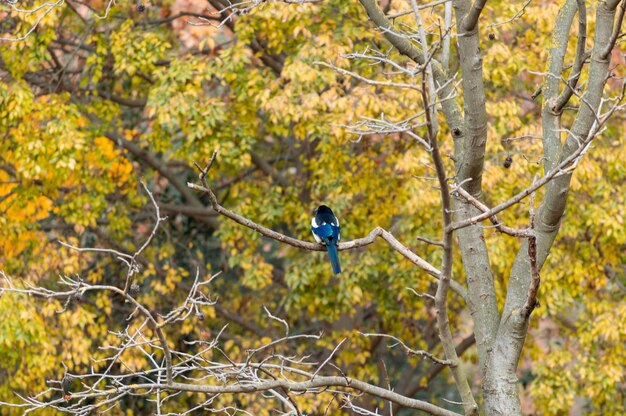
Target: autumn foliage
x,y
91,106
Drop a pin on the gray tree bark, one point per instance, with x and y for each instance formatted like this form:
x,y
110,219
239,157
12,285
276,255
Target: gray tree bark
x,y
500,336
500,384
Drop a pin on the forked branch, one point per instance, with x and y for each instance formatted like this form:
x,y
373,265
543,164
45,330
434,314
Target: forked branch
x,y
535,278
307,245
562,168
443,324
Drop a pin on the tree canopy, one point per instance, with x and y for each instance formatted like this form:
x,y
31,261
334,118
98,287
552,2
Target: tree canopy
x,y
307,103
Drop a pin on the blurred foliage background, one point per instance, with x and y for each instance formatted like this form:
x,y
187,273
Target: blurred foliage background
x,y
92,104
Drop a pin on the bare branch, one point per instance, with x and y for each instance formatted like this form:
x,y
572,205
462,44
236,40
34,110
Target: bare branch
x,y
429,241
81,288
420,7
306,245
367,80
445,55
427,73
411,351
383,126
560,169
282,321
533,289
420,295
550,119
579,61
302,386
471,19
516,16
47,7
494,220
330,356
443,324
616,30
130,260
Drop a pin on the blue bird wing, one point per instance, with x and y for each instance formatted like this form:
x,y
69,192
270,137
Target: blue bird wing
x,y
324,232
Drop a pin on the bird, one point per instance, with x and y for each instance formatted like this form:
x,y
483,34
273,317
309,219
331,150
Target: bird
x,y
65,386
325,228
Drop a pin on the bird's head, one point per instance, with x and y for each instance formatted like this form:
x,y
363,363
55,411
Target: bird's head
x,y
322,209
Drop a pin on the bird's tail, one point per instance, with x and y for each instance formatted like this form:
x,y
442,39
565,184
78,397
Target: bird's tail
x,y
333,255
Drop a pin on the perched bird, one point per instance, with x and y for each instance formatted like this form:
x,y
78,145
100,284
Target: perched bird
x,y
325,227
65,386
